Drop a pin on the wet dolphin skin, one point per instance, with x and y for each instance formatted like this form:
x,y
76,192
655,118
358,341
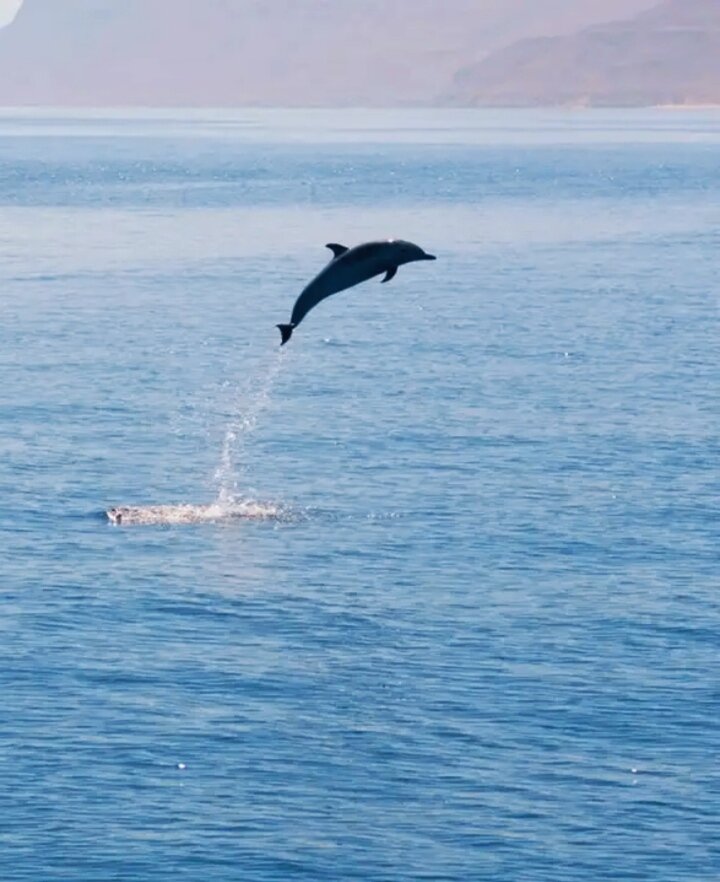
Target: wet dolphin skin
x,y
349,267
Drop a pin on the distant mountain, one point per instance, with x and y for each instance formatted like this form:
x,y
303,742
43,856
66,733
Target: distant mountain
x,y
667,55
272,52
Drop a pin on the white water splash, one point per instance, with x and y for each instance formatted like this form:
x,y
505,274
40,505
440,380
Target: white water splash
x,y
249,406
231,502
186,513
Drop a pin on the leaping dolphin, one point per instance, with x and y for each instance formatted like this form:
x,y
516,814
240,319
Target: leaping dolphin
x,y
348,267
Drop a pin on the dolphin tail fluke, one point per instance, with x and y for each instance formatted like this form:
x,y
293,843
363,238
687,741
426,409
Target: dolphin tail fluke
x,y
285,333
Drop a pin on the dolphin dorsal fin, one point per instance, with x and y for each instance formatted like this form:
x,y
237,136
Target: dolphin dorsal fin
x,y
336,249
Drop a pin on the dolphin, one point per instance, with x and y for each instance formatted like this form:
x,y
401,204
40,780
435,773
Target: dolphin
x,y
348,267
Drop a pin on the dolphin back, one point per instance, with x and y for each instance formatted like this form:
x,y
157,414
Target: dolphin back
x,y
345,271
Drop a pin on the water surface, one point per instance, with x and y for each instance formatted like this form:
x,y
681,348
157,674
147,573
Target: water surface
x,y
483,643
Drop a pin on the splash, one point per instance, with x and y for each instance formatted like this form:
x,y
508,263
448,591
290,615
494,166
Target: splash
x,y
186,513
248,407
231,503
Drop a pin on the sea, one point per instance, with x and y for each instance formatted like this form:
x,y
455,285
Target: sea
x,y
478,635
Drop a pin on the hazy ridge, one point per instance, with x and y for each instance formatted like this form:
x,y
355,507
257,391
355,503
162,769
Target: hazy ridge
x,y
266,52
667,55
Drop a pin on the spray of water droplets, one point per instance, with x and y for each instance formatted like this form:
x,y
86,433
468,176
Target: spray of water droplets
x,y
248,406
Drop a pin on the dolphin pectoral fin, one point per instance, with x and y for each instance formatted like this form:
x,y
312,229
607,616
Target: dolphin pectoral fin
x,y
336,249
390,274
285,333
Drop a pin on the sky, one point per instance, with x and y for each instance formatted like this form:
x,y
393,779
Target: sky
x,y
8,10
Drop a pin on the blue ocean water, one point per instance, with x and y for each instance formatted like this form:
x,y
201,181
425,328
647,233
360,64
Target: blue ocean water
x,y
482,641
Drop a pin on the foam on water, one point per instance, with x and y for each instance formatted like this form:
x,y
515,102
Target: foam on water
x,y
187,513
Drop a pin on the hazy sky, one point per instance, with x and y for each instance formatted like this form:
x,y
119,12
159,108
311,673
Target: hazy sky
x,y
8,8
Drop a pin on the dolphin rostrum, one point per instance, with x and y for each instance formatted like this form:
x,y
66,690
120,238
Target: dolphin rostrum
x,y
348,267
